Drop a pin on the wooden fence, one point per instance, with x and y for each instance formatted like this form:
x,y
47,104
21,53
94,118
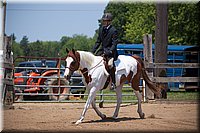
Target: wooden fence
x,y
151,66
174,65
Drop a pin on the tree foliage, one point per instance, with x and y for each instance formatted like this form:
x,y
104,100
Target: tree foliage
x,y
24,45
141,21
183,24
17,50
133,20
77,42
52,48
119,11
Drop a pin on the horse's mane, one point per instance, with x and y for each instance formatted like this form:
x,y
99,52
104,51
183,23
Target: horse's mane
x,y
87,57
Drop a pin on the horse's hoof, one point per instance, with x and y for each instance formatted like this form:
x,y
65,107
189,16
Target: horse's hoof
x,y
142,116
114,117
78,122
101,104
103,117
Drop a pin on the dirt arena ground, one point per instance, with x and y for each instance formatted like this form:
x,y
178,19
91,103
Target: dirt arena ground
x,y
60,117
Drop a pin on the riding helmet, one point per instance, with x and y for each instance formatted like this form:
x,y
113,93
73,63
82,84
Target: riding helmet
x,y
107,16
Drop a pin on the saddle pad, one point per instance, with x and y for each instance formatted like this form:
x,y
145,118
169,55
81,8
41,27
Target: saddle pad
x,y
124,64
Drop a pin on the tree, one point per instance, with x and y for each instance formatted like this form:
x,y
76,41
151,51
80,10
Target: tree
x,y
140,21
24,45
78,42
13,37
133,20
24,41
119,11
36,49
17,49
64,40
51,48
183,23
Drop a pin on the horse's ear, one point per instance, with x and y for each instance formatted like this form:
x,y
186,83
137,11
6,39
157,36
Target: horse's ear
x,y
73,51
67,50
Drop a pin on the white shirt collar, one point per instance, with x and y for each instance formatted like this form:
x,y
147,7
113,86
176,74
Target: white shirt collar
x,y
108,27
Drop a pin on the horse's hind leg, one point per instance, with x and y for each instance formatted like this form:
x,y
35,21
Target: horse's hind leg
x,y
96,110
139,97
135,85
119,100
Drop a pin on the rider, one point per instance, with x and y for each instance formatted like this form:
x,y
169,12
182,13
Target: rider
x,y
108,39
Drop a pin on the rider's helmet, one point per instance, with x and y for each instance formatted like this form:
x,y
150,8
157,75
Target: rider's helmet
x,y
107,17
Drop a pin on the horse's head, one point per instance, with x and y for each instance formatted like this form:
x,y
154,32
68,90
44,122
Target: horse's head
x,y
72,63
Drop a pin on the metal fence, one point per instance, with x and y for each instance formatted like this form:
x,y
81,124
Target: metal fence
x,y
104,95
23,90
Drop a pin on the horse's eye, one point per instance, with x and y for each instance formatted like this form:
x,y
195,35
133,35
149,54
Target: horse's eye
x,y
73,63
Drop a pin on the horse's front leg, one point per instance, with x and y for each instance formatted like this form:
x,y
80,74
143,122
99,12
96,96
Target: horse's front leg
x,y
96,109
91,97
119,100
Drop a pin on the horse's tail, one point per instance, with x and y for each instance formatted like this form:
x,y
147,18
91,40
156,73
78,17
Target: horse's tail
x,y
150,84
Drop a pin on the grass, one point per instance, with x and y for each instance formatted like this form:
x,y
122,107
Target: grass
x,y
175,95
183,95
111,95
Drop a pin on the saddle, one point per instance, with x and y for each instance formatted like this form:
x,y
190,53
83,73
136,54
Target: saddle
x,y
119,65
109,66
123,66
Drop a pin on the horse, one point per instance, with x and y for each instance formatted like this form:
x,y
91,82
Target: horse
x,y
95,75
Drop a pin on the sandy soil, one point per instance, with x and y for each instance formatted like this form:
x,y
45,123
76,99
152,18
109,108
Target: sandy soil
x,y
56,117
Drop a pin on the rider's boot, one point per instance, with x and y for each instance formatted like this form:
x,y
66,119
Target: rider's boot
x,y
112,73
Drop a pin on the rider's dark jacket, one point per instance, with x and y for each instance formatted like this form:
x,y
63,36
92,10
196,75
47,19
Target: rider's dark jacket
x,y
108,40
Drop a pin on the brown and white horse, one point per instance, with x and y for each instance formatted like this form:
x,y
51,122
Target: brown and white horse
x,y
128,68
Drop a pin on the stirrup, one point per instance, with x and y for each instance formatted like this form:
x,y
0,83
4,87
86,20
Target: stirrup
x,y
110,63
113,87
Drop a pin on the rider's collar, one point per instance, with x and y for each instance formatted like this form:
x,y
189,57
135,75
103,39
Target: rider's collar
x,y
107,27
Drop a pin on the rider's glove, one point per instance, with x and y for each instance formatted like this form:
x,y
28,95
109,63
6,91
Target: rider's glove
x,y
107,52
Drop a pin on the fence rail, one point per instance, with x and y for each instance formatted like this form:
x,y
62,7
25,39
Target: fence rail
x,y
175,79
173,65
102,95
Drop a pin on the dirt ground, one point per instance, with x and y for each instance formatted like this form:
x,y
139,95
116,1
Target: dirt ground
x,y
60,117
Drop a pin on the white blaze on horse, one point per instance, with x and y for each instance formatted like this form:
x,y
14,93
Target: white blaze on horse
x,y
128,68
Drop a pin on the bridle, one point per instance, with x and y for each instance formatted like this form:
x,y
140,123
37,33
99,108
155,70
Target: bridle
x,y
77,60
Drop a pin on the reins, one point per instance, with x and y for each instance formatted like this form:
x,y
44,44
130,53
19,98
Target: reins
x,y
78,61
92,67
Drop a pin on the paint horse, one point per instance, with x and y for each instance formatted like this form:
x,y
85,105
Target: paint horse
x,y
128,68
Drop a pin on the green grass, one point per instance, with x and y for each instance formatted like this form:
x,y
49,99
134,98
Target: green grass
x,y
125,91
182,95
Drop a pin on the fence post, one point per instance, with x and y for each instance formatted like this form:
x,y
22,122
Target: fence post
x,y
143,90
147,41
7,87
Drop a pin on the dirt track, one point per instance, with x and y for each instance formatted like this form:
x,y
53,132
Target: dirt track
x,y
57,117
